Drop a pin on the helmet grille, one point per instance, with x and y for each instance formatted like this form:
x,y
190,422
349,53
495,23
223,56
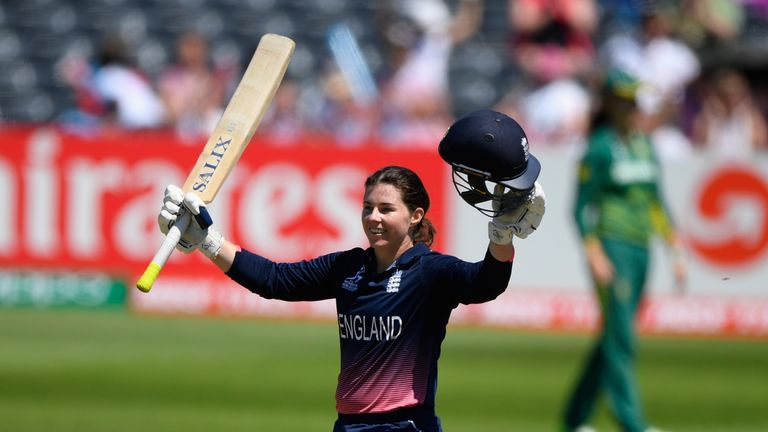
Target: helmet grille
x,y
480,192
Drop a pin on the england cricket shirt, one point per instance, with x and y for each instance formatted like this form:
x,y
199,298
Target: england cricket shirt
x,y
391,324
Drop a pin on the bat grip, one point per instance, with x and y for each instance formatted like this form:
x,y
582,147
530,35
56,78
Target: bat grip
x,y
170,241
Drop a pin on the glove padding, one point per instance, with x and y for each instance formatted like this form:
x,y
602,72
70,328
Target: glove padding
x,y
199,233
520,222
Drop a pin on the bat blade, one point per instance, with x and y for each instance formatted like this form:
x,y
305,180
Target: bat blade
x,y
241,117
231,136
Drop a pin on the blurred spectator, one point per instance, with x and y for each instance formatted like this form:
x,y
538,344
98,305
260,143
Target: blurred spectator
x,y
89,107
666,66
192,91
552,38
757,8
669,68
338,115
111,91
552,43
619,14
661,61
554,115
283,123
416,97
707,23
730,123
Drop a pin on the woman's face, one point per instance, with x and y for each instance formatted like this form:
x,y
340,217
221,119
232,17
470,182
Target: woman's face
x,y
622,112
386,219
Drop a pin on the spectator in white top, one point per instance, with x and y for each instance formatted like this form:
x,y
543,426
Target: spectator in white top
x,y
126,89
730,122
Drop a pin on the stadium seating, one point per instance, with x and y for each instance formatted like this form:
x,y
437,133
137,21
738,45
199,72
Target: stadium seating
x,y
35,35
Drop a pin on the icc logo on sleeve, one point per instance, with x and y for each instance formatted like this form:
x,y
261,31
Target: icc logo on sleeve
x,y
350,283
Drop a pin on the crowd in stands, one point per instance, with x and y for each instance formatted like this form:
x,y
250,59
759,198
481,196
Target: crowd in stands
x,y
556,52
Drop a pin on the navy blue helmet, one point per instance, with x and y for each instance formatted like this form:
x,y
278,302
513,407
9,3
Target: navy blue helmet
x,y
488,152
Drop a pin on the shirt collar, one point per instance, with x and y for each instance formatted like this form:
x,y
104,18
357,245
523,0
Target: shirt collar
x,y
403,260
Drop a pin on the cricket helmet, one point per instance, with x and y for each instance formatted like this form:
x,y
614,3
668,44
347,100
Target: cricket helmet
x,y
488,152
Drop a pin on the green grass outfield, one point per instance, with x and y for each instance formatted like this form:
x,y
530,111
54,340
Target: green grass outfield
x,y
112,371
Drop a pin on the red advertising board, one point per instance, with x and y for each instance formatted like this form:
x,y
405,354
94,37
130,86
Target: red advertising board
x,y
74,205
72,202
723,195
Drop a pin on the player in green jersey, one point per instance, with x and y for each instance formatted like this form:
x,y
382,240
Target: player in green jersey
x,y
618,209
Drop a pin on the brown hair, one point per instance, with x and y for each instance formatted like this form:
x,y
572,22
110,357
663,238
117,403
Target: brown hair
x,y
414,196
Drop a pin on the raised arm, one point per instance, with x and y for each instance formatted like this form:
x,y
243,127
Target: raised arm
x,y
300,281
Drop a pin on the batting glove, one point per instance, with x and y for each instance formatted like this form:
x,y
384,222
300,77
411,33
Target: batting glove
x,y
170,212
211,239
520,222
199,234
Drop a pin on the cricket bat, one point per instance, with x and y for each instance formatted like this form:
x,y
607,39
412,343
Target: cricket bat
x,y
232,133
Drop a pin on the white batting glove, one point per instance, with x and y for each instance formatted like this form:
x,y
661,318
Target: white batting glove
x,y
199,233
520,222
206,238
172,199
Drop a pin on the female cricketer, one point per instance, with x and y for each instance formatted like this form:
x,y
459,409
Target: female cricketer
x,y
395,297
617,210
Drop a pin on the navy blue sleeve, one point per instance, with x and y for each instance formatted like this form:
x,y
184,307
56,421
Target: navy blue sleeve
x,y
465,282
299,281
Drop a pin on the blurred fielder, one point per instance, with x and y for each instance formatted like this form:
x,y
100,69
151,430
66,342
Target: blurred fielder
x,y
618,209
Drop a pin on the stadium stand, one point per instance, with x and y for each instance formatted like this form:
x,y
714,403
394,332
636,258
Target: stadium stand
x,y
36,36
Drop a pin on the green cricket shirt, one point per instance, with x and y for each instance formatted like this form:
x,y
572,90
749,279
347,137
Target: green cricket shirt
x,y
618,195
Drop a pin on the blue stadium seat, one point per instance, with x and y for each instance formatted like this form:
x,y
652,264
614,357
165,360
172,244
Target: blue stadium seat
x,y
10,45
33,105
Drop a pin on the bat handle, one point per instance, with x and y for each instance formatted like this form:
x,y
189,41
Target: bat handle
x,y
170,241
